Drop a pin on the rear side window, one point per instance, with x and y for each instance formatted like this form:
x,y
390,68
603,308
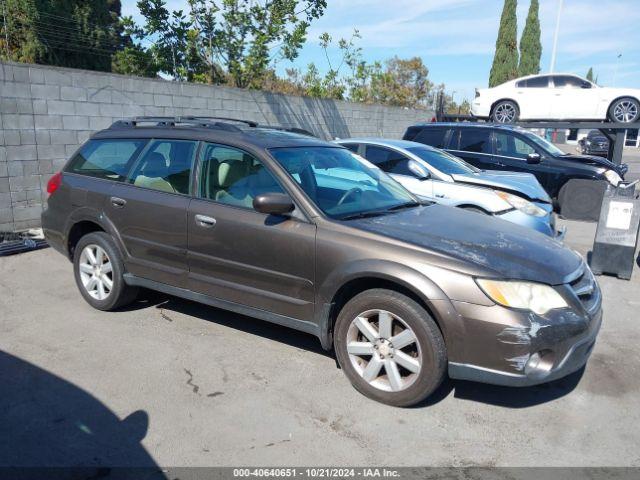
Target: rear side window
x,y
110,159
166,166
387,160
431,136
475,140
535,82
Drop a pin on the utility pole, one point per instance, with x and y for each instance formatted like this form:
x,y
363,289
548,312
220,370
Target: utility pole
x,y
615,72
555,39
6,28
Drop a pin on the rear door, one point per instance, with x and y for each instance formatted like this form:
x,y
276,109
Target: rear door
x,y
240,255
535,98
150,211
474,146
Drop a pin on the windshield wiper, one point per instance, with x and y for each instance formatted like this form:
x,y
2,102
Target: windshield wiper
x,y
368,214
403,206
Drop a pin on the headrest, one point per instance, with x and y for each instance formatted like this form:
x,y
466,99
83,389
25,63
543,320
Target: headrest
x,y
229,172
155,166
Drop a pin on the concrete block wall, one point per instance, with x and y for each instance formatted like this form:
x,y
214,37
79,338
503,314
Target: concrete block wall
x,y
47,112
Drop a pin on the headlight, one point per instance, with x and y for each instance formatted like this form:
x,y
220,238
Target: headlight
x,y
521,204
537,297
613,178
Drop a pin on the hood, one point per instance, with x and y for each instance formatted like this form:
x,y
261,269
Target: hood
x,y
598,139
518,182
598,162
504,249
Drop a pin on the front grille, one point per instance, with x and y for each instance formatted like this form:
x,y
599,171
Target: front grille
x,y
586,290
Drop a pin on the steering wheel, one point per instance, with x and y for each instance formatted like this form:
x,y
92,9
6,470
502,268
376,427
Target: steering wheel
x,y
347,194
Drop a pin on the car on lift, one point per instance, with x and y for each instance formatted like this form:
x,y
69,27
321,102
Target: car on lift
x,y
556,97
594,143
443,178
507,147
282,227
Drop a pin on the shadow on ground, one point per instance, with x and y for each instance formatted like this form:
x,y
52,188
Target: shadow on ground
x,y
510,397
46,421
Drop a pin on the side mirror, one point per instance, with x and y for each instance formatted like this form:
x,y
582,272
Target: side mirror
x,y
534,158
585,85
273,203
418,170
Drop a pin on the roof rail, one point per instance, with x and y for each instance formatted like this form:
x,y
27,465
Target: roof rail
x,y
207,122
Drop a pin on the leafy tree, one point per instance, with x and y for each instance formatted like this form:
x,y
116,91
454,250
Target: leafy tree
x,y
246,36
69,33
530,46
133,59
590,74
505,61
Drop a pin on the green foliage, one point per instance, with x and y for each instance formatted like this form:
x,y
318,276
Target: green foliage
x,y
590,74
530,46
68,33
505,61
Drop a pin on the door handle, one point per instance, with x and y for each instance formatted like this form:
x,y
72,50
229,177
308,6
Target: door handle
x,y
118,202
440,195
204,221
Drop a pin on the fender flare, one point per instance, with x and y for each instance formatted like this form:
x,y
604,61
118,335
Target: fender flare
x,y
88,214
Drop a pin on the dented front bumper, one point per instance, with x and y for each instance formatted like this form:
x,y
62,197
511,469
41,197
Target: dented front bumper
x,y
519,348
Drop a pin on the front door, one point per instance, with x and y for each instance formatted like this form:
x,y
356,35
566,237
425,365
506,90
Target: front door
x,y
242,256
149,211
573,98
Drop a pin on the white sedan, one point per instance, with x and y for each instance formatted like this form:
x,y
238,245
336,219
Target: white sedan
x,y
556,97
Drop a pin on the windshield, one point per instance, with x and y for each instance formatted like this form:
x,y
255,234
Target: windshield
x,y
443,161
543,143
341,183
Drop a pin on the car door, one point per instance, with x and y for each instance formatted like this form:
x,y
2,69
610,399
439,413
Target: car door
x,y
474,146
149,211
396,164
511,152
239,255
534,97
573,98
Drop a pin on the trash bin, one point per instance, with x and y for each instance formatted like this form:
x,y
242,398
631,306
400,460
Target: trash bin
x,y
617,233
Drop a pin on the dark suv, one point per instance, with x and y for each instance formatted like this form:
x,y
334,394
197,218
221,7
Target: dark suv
x,y
504,147
304,233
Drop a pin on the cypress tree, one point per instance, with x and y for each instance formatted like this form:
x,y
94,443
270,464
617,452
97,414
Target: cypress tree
x,y
590,74
505,61
530,46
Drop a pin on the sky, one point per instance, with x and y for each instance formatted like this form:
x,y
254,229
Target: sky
x,y
456,38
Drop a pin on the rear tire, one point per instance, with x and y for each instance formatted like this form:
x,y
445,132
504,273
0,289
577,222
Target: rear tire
x,y
98,269
390,348
624,110
505,112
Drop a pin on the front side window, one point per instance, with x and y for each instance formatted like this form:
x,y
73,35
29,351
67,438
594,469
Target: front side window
x,y
352,146
340,183
108,159
388,160
234,177
443,161
475,140
165,166
567,81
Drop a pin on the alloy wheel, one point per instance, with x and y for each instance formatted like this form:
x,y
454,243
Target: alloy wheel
x,y
96,272
625,111
505,113
384,350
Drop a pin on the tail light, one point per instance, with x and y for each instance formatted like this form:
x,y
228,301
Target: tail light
x,y
54,182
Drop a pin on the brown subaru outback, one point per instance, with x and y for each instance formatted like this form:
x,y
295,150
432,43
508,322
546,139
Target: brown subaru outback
x,y
304,233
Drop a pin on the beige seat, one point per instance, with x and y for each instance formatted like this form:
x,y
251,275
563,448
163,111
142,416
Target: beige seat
x,y
153,172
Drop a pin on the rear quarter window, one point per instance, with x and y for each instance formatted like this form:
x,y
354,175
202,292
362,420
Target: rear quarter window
x,y
109,159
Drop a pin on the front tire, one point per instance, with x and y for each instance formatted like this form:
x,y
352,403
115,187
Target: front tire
x,y
98,269
505,112
624,110
390,348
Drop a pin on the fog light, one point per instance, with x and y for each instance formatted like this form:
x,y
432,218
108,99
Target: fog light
x,y
539,364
